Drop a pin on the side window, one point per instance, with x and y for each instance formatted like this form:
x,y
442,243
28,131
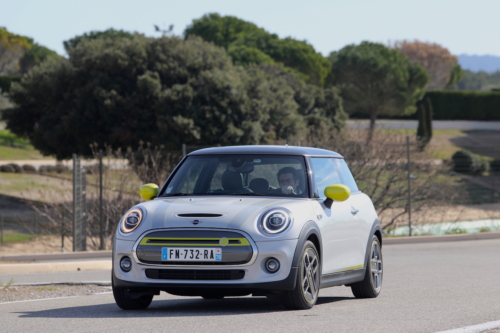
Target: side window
x,y
325,174
347,176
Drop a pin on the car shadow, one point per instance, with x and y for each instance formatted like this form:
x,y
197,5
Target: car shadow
x,y
175,308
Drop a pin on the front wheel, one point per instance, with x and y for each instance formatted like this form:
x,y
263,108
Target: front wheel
x,y
306,291
126,303
372,284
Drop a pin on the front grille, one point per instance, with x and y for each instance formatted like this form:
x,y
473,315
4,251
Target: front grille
x,y
194,274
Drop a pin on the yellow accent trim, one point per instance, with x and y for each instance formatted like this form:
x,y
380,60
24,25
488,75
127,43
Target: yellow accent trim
x,y
144,241
337,192
148,191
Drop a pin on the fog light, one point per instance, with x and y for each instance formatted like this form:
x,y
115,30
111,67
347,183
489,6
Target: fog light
x,y
126,264
272,265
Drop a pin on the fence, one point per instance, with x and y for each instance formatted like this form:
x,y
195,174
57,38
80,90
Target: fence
x,y
407,187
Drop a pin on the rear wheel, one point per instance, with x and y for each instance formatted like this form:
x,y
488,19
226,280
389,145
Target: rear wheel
x,y
371,286
124,301
306,291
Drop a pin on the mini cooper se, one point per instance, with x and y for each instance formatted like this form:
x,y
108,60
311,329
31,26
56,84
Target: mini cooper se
x,y
276,221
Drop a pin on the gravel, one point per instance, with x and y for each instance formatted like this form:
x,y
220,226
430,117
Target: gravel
x,y
23,293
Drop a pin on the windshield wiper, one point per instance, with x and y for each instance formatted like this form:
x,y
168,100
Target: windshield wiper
x,y
175,194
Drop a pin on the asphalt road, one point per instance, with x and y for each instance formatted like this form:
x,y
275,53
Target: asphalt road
x,y
464,125
427,287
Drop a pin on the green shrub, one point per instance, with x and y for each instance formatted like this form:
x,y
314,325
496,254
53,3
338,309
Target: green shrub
x,y
466,162
5,82
7,168
466,105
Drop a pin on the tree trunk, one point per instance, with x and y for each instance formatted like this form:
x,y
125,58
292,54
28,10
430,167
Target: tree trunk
x,y
373,118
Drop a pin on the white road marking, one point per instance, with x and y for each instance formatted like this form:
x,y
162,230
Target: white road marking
x,y
476,328
40,299
48,299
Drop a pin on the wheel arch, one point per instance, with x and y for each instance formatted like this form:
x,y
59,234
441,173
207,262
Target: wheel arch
x,y
375,231
310,232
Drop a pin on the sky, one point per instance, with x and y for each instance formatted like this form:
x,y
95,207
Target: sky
x,y
463,26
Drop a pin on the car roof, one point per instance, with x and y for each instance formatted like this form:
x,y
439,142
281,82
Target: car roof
x,y
271,150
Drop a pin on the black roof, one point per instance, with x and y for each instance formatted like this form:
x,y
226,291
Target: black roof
x,y
271,150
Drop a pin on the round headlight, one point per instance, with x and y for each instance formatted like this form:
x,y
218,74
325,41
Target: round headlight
x,y
276,220
131,220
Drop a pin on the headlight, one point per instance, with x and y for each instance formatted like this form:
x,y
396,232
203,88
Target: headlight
x,y
276,221
131,220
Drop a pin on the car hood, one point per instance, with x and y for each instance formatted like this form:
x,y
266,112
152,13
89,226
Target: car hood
x,y
241,213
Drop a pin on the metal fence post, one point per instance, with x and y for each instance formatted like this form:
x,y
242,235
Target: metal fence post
x,y
79,209
183,149
76,165
62,230
101,220
409,184
1,229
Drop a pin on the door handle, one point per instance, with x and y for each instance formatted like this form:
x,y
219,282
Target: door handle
x,y
354,211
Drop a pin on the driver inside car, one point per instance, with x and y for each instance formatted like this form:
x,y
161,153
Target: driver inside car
x,y
289,181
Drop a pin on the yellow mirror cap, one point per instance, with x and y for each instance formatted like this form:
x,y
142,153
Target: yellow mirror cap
x,y
148,191
337,192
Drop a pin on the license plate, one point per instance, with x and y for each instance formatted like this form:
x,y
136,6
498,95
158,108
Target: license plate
x,y
191,254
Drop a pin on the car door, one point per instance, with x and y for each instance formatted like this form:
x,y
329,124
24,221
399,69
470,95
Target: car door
x,y
337,224
363,213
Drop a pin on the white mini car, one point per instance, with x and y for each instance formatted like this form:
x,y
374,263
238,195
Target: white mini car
x,y
274,221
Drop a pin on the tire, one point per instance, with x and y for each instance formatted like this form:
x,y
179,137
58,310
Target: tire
x,y
371,285
306,291
125,303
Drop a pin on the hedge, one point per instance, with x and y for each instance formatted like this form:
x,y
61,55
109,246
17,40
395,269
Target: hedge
x,y
5,82
458,105
465,105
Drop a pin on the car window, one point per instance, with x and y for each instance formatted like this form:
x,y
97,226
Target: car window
x,y
265,175
347,176
324,174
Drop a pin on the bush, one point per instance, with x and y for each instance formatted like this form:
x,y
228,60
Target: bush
x,y
7,168
17,168
5,82
59,168
466,162
495,165
27,168
47,169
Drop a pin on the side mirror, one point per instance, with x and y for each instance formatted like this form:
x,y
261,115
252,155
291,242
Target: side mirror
x,y
149,191
336,192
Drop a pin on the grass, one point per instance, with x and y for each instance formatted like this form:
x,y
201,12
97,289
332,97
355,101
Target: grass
x,y
13,147
20,182
16,238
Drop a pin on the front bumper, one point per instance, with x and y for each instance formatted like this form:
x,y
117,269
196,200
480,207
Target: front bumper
x,y
255,275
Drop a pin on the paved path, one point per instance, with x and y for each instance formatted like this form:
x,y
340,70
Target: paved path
x,y
465,125
428,287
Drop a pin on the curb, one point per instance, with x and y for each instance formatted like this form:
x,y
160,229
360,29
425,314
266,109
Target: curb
x,y
55,267
58,256
436,239
97,283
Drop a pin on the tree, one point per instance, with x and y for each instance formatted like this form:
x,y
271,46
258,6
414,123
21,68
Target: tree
x,y
165,91
220,30
238,35
110,33
12,48
440,64
376,80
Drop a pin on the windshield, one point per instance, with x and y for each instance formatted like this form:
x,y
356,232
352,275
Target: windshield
x,y
253,175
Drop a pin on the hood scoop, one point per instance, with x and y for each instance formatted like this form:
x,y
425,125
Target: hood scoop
x,y
199,215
